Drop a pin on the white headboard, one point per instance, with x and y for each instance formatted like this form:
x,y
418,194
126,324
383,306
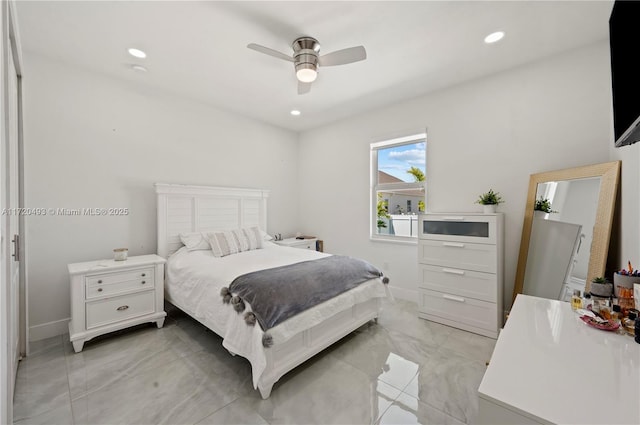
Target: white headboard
x,y
184,209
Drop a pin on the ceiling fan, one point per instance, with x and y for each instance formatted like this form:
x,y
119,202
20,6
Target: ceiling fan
x,y
306,59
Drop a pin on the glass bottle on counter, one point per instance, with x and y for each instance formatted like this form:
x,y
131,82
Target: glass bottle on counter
x,y
629,323
605,309
587,302
576,300
616,314
616,317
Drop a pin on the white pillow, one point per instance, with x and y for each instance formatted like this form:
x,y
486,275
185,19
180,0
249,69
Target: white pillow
x,y
234,241
194,241
266,236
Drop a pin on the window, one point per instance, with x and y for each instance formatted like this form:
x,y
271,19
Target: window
x,y
398,170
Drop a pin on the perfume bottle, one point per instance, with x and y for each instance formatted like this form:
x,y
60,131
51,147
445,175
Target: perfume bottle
x,y
616,315
586,301
576,300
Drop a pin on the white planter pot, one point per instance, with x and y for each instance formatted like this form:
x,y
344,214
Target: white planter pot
x,y
539,214
489,209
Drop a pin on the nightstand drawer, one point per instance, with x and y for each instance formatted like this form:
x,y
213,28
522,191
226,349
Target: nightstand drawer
x,y
105,279
118,284
307,245
116,309
467,283
459,255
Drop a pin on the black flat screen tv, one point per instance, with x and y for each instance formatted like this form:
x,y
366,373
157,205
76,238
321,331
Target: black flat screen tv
x,y
624,40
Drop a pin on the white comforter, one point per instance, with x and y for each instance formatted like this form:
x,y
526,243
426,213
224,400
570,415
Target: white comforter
x,y
194,281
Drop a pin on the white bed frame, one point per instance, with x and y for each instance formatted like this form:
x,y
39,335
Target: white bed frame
x,y
183,209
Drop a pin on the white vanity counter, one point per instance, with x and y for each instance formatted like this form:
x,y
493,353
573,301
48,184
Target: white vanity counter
x,y
550,367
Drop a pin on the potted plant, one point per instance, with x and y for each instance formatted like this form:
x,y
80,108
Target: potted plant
x,y
601,287
544,206
489,201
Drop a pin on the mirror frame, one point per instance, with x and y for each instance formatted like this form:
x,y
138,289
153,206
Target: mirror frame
x,y
609,172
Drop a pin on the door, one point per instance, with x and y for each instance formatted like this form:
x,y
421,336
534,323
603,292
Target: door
x,y
14,219
10,157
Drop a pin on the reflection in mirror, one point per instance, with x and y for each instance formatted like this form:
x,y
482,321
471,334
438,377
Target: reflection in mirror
x,y
558,258
564,246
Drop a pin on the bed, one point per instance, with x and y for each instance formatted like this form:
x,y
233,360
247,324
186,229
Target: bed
x,y
195,278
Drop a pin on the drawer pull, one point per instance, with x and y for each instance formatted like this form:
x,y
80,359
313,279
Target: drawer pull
x,y
122,308
143,275
452,298
100,281
453,218
99,289
453,271
453,244
143,282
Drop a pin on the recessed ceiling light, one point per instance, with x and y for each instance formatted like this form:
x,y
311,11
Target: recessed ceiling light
x,y
295,112
139,68
493,37
137,53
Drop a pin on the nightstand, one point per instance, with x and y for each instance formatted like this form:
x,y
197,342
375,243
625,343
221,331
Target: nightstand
x,y
299,243
109,295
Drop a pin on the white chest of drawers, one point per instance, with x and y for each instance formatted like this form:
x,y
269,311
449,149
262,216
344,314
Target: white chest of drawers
x,y
109,295
460,260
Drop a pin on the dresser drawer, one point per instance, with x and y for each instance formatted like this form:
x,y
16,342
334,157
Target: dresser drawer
x,y
116,309
473,228
458,255
118,284
466,283
476,313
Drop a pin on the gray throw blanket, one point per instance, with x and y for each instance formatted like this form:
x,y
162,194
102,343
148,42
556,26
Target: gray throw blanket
x,y
279,293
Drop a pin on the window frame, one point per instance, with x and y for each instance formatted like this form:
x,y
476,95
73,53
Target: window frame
x,y
376,187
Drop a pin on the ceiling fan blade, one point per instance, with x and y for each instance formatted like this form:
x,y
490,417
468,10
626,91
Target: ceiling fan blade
x,y
344,56
303,88
270,52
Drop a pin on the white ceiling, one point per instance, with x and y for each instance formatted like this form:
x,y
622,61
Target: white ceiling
x,y
198,49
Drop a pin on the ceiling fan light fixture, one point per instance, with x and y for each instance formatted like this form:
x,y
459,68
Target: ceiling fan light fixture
x,y
306,59
306,74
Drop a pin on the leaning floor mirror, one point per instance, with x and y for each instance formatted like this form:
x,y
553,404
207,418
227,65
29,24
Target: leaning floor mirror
x,y
566,230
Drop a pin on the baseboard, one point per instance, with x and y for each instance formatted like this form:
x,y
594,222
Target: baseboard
x,y
404,293
48,330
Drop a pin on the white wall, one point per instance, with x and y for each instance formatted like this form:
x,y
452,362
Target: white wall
x,y
489,133
626,234
92,141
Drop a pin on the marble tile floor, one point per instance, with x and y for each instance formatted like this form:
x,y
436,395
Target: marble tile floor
x,y
401,370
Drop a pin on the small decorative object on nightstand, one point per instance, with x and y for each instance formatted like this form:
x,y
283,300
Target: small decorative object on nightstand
x,y
109,295
309,242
